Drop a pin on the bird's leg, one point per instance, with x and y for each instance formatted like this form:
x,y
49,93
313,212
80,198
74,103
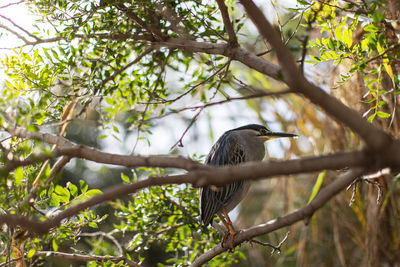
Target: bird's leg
x,y
227,229
231,230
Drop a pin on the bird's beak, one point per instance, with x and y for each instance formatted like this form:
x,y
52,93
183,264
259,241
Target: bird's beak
x,y
273,135
276,134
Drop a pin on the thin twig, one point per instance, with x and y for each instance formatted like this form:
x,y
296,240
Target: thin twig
x,y
190,90
274,248
354,191
179,142
119,71
20,28
108,236
257,95
15,33
12,4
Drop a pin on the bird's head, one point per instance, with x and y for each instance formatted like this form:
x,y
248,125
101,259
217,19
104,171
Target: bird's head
x,y
262,133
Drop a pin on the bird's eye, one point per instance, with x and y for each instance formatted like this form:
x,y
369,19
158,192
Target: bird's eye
x,y
263,132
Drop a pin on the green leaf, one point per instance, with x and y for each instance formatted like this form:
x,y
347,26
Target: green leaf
x,y
73,189
18,175
371,28
93,192
9,85
63,193
382,114
31,252
55,245
339,33
377,16
317,59
42,194
85,196
381,103
372,117
93,225
302,2
32,128
125,178
110,101
83,185
331,44
317,185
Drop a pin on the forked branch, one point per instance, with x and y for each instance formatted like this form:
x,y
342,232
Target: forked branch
x,y
302,214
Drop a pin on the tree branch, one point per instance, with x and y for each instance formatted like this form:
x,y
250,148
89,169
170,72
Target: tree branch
x,y
68,148
136,60
235,53
19,27
217,176
12,4
14,32
82,257
259,94
228,24
106,235
173,18
158,35
304,213
109,36
375,138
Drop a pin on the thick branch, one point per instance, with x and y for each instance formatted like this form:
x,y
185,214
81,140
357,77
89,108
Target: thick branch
x,y
375,138
198,178
83,257
261,170
227,22
304,213
68,148
236,53
251,170
109,36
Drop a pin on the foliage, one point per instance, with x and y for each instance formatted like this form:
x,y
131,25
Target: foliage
x,y
96,69
362,34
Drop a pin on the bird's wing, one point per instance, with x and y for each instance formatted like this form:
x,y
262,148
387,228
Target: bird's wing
x,y
226,151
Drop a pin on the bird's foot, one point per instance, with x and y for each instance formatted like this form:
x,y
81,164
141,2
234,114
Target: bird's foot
x,y
232,233
225,238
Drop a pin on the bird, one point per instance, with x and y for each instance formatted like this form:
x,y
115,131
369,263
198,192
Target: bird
x,y
236,146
